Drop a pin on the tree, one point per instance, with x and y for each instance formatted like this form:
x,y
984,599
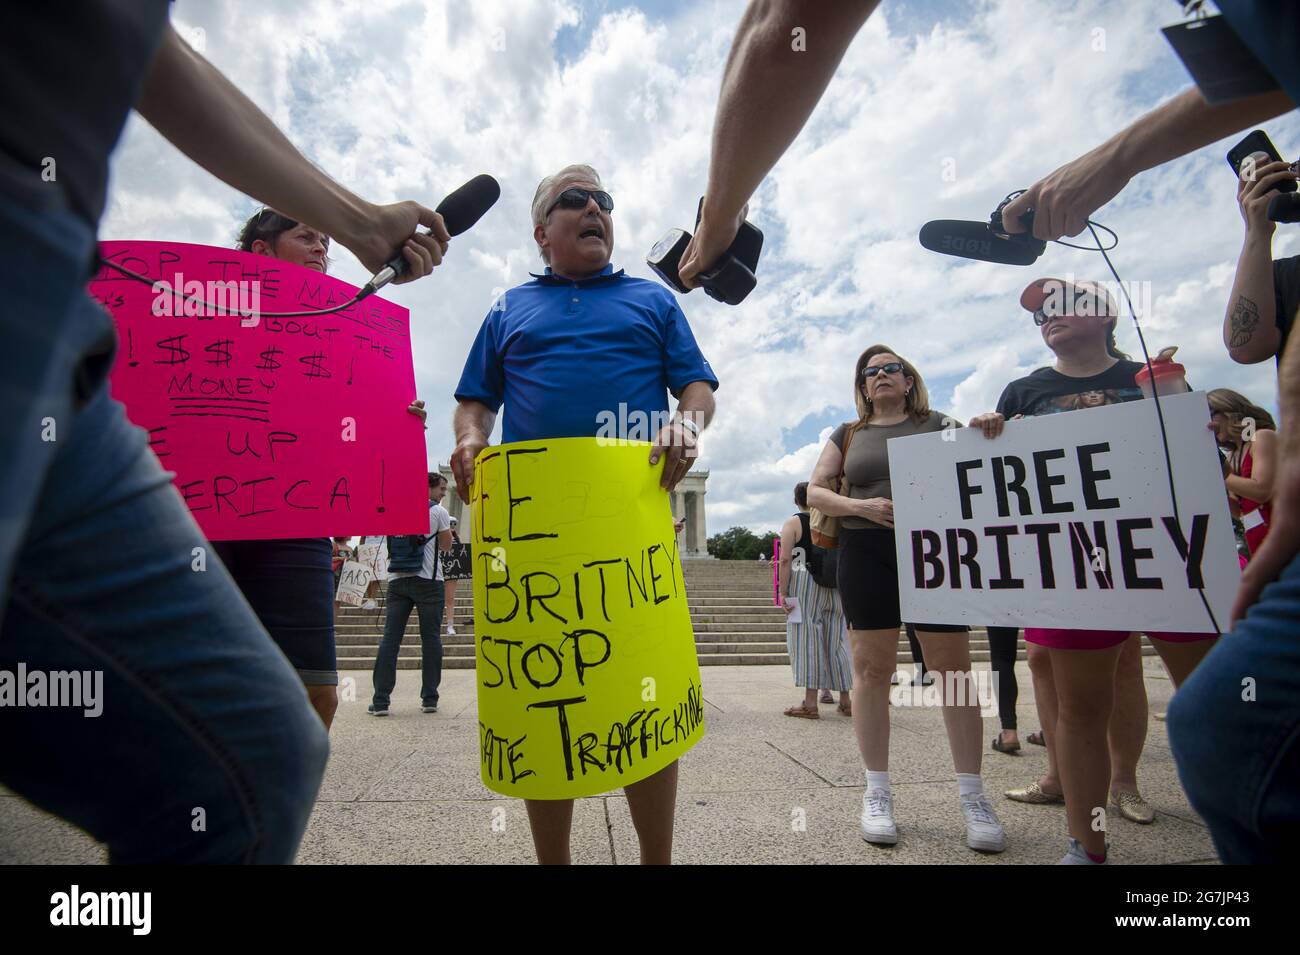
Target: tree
x,y
740,543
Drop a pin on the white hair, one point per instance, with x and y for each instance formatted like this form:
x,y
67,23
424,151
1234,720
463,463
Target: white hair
x,y
553,185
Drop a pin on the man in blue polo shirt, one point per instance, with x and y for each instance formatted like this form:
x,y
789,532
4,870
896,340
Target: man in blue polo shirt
x,y
586,351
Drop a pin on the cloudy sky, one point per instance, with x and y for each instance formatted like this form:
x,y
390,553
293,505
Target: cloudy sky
x,y
940,108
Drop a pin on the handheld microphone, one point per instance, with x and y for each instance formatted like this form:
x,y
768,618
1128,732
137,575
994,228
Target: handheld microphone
x,y
977,240
459,211
1284,207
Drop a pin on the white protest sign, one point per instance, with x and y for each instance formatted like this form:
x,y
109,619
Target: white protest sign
x,y
1066,521
353,581
374,554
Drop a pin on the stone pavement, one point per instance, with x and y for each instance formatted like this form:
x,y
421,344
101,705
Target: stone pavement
x,y
405,789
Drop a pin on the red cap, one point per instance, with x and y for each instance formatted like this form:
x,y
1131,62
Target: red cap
x,y
1038,291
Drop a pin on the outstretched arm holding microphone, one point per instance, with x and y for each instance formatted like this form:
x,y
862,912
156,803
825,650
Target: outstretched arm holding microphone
x,y
206,117
770,87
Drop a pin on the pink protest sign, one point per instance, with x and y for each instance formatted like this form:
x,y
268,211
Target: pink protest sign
x,y
275,427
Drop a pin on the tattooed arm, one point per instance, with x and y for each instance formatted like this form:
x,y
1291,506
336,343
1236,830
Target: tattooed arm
x,y
1250,327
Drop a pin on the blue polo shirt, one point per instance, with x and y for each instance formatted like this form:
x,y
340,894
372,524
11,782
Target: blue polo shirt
x,y
581,358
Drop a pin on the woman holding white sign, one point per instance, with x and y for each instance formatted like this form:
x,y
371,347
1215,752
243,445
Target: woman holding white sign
x,y
1079,671
851,481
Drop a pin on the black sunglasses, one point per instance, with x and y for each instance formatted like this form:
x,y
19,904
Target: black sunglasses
x,y
576,198
889,368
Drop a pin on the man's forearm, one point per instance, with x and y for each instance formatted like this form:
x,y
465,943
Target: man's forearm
x,y
696,403
472,419
1250,325
770,87
1186,123
206,117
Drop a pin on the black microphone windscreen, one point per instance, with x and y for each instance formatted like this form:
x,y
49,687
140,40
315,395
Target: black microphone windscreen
x,y
975,240
466,205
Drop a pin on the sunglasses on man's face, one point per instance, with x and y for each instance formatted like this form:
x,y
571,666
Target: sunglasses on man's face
x,y
576,198
889,368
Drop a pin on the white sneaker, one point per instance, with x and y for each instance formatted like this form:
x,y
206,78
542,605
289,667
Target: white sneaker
x,y
369,605
983,830
451,630
878,818
1077,855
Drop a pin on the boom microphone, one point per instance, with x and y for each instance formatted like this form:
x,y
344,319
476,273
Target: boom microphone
x,y
459,211
977,240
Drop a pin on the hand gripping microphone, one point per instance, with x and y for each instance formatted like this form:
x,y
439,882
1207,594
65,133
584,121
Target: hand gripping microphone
x,y
459,211
984,241
729,280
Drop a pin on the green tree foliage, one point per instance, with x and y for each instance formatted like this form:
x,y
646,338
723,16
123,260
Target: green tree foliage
x,y
740,543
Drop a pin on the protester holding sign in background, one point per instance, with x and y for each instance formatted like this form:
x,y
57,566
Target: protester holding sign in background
x,y
814,626
605,340
1077,322
415,581
290,583
892,401
450,584
1247,432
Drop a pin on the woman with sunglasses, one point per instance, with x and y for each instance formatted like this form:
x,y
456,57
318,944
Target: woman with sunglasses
x,y
289,583
1077,673
1249,435
892,402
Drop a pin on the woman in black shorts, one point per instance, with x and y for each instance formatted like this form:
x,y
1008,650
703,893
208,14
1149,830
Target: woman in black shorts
x,y
290,583
892,402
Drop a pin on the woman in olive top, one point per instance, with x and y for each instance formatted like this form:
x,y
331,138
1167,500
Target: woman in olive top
x,y
892,402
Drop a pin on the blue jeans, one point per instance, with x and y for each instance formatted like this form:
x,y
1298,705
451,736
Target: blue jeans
x,y
426,596
1234,727
206,749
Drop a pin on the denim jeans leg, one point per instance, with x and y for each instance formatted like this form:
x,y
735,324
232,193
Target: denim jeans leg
x,y
1234,727
396,613
205,748
430,603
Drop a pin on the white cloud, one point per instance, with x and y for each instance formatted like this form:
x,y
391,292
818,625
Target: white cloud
x,y
408,100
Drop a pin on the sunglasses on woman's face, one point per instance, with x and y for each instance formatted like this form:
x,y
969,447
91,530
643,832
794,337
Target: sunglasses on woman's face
x,y
576,198
889,368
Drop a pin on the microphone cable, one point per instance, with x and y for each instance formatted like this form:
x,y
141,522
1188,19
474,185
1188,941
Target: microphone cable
x,y
223,311
1155,394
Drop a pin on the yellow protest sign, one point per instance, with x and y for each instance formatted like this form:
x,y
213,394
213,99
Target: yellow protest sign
x,y
586,668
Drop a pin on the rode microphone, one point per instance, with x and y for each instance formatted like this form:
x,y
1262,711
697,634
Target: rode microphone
x,y
459,211
984,241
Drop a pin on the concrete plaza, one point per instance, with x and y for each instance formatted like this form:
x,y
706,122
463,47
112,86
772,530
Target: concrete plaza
x,y
760,788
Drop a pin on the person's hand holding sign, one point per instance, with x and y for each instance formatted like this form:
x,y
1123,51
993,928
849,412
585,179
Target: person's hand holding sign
x,y
676,442
990,423
878,509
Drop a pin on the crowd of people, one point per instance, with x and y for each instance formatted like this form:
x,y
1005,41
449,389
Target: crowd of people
x,y
231,674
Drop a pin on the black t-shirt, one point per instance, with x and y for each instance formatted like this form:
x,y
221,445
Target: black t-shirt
x,y
69,74
1286,296
1047,391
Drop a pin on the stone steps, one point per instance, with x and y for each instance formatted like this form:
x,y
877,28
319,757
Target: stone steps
x,y
730,602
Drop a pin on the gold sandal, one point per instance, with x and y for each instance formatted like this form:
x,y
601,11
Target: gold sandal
x,y
1133,808
1033,793
802,712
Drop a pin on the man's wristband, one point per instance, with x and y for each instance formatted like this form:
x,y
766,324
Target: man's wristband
x,y
690,426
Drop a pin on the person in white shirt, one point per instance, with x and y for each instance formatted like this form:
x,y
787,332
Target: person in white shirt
x,y
422,589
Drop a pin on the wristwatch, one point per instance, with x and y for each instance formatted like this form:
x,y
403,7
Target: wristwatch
x,y
690,426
